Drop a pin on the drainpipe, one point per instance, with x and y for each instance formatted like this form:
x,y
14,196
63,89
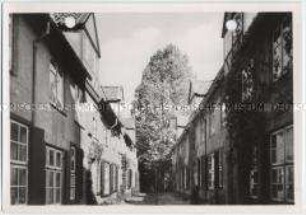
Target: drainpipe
x,y
35,42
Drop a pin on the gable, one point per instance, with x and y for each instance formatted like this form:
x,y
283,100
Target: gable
x,y
92,33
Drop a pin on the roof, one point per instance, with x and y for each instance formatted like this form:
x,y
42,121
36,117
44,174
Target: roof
x,y
80,19
113,93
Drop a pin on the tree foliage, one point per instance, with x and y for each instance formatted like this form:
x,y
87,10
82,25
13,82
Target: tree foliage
x,y
159,98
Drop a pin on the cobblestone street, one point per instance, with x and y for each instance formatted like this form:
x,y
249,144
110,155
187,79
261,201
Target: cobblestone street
x,y
160,199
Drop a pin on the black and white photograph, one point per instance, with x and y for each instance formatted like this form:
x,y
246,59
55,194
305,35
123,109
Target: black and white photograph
x,y
150,108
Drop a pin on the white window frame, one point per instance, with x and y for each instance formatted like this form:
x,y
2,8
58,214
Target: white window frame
x,y
281,166
55,169
18,164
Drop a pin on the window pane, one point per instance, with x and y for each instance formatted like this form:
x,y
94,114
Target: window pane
x,y
51,157
22,195
14,131
50,179
23,135
14,195
255,176
50,198
60,89
289,145
22,177
58,159
14,151
280,176
290,174
58,179
57,195
53,83
14,176
72,165
280,147
290,192
274,175
72,193
22,153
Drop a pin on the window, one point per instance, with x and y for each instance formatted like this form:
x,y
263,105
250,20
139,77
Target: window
x,y
54,175
56,85
113,178
223,114
254,183
247,81
211,171
199,172
72,172
203,131
105,178
281,158
185,177
254,179
203,172
290,183
220,169
19,161
282,49
129,177
212,123
277,182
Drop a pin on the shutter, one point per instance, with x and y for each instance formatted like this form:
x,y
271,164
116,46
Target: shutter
x,y
102,178
216,167
36,167
111,178
205,173
66,178
79,174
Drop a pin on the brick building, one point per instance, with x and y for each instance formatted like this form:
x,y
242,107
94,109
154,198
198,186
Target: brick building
x,y
59,112
238,146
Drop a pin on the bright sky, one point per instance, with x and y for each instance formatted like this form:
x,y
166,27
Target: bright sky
x,y
128,40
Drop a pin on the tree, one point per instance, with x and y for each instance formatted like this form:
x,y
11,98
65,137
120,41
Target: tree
x,y
159,98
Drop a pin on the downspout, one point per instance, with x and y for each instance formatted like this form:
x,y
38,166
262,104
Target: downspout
x,y
35,42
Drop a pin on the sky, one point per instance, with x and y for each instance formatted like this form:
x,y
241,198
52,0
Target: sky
x,y
128,40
